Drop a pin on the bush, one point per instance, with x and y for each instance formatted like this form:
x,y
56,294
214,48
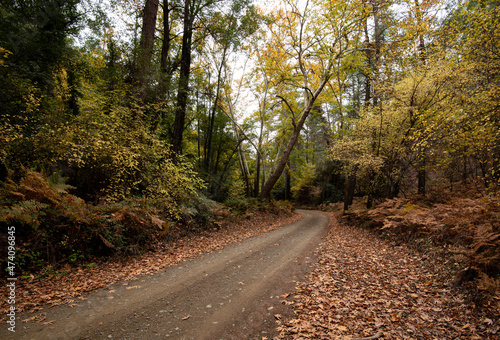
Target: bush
x,y
114,157
55,227
241,206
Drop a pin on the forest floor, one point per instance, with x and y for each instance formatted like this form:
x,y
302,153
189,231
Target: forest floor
x,y
366,287
366,283
405,269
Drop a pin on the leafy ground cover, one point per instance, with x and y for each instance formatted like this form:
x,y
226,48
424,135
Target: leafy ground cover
x,y
403,270
462,230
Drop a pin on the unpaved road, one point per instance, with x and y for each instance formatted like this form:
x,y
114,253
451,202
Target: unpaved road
x,y
230,294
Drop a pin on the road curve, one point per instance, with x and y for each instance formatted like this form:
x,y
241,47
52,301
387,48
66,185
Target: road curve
x,y
233,293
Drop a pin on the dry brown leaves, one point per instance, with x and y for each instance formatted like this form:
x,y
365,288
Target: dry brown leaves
x,y
35,295
465,231
364,287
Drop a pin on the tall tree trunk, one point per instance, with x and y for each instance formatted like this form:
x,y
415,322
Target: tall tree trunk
x,y
421,175
167,68
146,48
349,188
368,79
213,112
259,145
256,184
275,175
421,42
244,170
165,48
72,102
182,94
378,43
288,181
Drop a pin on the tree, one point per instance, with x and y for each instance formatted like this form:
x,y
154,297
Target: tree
x,y
227,31
193,9
470,38
143,64
303,52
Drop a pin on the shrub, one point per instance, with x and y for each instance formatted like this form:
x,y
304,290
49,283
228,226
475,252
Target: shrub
x,y
56,227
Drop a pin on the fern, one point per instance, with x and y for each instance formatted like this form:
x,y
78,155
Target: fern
x,y
58,183
26,212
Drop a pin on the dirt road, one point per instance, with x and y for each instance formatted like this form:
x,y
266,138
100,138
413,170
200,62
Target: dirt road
x,y
229,294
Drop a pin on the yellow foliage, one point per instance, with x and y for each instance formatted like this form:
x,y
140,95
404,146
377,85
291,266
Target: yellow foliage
x,y
4,54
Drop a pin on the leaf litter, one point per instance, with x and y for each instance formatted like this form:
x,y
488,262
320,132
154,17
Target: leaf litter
x,y
364,287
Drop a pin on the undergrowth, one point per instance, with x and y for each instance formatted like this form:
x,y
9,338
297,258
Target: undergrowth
x,y
247,206
54,228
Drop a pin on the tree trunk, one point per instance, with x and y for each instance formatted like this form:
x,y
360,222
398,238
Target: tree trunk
x,y
167,68
288,180
378,43
368,78
349,189
211,120
146,48
421,174
165,48
421,46
421,43
275,175
259,145
244,170
182,94
241,154
256,184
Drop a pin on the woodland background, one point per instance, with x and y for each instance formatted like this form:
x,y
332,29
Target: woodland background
x,y
124,122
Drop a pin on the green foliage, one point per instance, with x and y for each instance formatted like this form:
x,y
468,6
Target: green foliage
x,y
114,156
247,206
473,35
241,205
304,189
237,189
36,32
44,215
330,180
